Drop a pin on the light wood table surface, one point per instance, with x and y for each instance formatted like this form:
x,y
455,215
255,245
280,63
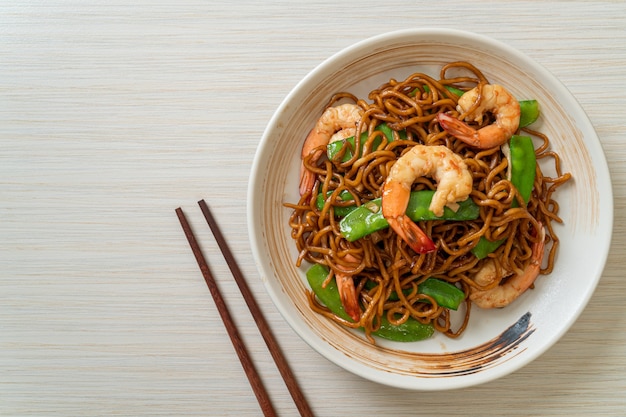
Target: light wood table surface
x,y
114,113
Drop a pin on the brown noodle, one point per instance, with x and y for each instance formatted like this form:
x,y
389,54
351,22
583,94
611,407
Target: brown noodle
x,y
412,105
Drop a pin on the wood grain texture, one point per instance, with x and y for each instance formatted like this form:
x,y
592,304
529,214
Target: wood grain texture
x,y
112,114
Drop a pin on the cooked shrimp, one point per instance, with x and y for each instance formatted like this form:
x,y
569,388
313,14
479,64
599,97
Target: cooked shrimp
x,y
488,274
347,292
334,119
454,184
503,295
493,98
342,134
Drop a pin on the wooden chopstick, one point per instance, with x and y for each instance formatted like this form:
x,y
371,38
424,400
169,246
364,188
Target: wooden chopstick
x,y
268,337
277,354
253,376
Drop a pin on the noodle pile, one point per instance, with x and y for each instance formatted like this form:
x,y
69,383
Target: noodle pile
x,y
387,264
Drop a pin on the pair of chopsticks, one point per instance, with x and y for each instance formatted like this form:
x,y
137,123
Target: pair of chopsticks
x,y
248,366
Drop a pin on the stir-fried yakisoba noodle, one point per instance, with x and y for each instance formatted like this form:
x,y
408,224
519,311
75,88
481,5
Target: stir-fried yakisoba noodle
x,y
426,195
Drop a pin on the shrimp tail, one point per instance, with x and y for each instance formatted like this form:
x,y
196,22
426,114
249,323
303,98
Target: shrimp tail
x,y
412,234
348,296
307,181
307,177
459,130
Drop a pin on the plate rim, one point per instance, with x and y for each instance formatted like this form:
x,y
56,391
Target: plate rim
x,y
416,34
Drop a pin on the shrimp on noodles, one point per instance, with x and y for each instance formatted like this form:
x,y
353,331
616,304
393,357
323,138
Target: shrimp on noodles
x,y
334,119
420,210
342,134
347,292
493,98
505,294
454,183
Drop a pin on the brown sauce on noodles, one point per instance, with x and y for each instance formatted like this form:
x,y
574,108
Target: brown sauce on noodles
x,y
411,105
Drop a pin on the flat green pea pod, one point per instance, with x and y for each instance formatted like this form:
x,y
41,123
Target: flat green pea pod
x,y
340,211
523,163
445,294
522,169
453,90
529,112
410,331
484,247
368,218
333,148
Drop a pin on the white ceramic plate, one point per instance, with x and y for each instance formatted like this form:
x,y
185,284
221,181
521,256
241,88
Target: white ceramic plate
x,y
496,342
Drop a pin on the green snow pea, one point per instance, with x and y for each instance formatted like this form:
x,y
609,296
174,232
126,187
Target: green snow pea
x,y
453,90
484,247
529,112
523,163
333,148
410,331
444,293
522,166
368,218
340,211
